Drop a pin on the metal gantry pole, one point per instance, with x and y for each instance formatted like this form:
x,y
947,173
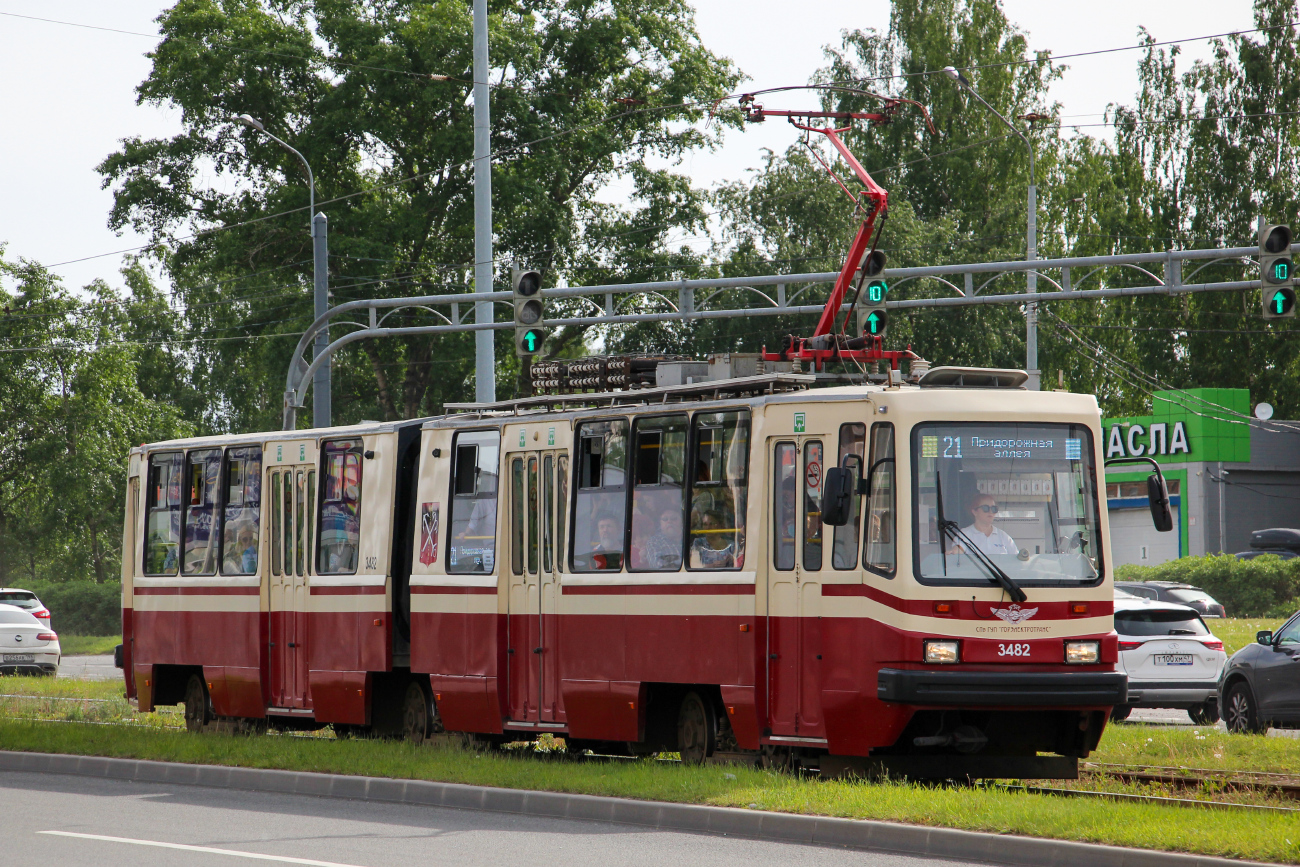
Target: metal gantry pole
x,y
322,410
1031,286
777,303
1031,236
485,381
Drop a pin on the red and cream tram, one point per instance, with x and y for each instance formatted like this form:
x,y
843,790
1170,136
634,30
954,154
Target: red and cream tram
x,y
912,577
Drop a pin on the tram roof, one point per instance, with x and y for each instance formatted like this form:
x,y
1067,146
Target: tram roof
x,y
361,429
746,391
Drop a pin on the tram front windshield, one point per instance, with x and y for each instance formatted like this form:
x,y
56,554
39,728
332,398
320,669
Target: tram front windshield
x,y
1017,497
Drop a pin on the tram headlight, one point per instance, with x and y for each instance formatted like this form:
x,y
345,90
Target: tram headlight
x,y
942,651
1082,652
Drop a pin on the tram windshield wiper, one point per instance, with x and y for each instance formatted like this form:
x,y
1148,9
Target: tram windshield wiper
x,y
995,571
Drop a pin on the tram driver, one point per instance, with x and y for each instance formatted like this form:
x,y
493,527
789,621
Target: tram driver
x,y
989,539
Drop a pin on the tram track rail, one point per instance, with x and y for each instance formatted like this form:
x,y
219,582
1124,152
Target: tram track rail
x,y
1283,785
1153,799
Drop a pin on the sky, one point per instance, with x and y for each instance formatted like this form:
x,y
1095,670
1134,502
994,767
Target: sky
x,y
70,99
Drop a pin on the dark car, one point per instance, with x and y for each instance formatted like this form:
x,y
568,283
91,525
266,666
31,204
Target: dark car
x,y
1179,594
1261,684
1281,542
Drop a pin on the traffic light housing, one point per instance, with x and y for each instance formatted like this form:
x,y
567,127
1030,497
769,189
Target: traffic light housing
x,y
1276,272
873,319
530,312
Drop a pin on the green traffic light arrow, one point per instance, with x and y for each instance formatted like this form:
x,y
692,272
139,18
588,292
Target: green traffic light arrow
x,y
1279,302
873,322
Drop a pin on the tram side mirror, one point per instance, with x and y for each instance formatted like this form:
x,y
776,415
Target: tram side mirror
x,y
1161,513
837,496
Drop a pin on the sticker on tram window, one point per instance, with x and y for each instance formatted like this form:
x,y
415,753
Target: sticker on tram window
x,y
929,447
1074,449
429,533
813,476
798,422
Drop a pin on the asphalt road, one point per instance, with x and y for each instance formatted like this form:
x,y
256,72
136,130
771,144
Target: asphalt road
x,y
89,668
64,820
1171,717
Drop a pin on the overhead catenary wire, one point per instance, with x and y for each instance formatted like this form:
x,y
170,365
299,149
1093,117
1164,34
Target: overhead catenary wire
x,y
685,105
1143,381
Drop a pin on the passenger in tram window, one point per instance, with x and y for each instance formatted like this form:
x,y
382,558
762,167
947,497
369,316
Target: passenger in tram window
x,y
664,549
712,549
988,538
607,552
241,558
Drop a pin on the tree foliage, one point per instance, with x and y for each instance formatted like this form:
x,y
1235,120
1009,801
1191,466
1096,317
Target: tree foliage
x,y
583,91
74,398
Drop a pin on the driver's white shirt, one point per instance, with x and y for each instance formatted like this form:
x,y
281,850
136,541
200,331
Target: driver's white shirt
x,y
996,542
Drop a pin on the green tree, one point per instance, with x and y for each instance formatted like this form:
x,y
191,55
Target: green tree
x,y
1218,150
582,92
72,407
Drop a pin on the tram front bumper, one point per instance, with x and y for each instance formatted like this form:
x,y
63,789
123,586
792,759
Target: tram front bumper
x,y
1003,689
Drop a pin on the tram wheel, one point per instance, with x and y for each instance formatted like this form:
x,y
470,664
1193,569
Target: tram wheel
x,y
1240,713
198,710
416,714
696,730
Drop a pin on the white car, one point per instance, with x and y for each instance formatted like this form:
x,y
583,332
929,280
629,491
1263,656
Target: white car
x,y
1170,657
27,601
27,646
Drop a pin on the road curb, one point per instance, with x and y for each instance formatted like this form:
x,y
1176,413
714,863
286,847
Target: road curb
x,y
915,840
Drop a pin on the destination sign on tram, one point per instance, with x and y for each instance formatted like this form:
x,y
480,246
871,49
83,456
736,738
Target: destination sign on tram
x,y
996,444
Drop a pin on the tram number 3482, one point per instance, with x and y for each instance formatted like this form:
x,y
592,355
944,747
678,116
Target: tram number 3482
x,y
1013,650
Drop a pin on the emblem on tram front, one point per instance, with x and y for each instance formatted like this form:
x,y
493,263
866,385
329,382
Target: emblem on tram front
x,y
1014,614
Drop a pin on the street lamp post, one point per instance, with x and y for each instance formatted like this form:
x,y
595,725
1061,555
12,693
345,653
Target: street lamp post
x,y
1031,232
319,226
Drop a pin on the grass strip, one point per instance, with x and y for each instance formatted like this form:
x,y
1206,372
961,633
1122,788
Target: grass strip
x,y
88,645
1197,747
1253,835
1238,632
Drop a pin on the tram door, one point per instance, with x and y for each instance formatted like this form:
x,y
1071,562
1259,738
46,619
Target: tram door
x,y
537,486
293,496
794,592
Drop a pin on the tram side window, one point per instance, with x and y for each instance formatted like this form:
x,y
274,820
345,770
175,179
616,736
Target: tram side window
x,y
853,443
276,523
548,513
241,523
517,516
286,492
601,500
719,489
162,530
562,501
880,552
474,501
785,507
658,493
812,505
202,520
340,509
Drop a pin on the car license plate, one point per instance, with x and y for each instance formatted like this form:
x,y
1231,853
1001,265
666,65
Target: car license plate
x,y
20,657
1173,659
